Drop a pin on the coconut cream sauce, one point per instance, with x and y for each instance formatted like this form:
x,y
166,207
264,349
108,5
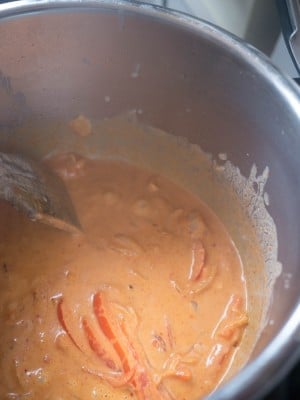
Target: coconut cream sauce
x,y
149,303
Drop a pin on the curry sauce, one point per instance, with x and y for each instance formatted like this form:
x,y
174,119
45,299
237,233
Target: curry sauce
x,y
148,303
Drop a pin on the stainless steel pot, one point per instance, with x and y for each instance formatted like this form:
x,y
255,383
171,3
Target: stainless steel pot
x,y
62,58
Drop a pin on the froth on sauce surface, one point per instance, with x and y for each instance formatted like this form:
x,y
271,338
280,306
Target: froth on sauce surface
x,y
149,303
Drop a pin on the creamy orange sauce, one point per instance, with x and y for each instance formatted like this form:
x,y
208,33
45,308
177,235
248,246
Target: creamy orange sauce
x,y
148,303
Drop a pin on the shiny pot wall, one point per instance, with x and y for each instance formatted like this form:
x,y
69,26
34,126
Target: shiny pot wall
x,y
59,59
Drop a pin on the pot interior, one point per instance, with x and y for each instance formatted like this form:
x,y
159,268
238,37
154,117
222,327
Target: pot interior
x,y
231,129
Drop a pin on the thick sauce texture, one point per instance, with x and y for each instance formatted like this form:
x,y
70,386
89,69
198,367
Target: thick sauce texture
x,y
148,303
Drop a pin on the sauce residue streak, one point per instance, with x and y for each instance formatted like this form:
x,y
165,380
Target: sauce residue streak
x,y
148,303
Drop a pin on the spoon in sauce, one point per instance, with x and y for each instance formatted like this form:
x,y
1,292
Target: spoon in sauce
x,y
35,190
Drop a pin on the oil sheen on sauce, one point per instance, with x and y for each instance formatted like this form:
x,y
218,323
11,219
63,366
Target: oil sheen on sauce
x,y
148,303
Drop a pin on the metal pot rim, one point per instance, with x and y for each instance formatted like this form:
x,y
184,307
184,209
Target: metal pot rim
x,y
284,350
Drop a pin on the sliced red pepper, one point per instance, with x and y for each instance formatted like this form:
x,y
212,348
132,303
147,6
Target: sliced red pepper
x,y
144,386
61,318
93,342
138,379
100,310
133,364
96,346
198,259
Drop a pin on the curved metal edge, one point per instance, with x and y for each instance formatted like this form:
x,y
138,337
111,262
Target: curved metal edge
x,y
245,51
284,350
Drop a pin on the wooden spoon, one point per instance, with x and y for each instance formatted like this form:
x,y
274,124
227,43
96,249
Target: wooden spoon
x,y
35,190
